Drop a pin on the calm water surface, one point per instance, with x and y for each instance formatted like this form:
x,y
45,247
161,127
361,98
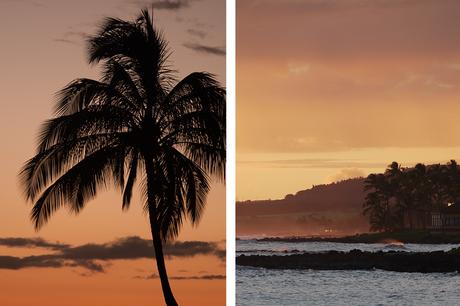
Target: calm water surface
x,y
258,286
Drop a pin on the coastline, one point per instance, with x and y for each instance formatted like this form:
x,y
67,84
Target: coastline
x,y
421,237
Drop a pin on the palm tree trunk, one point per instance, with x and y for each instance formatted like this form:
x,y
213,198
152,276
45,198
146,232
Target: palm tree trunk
x,y
158,246
156,236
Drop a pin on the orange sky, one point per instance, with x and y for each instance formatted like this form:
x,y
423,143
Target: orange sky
x,y
333,89
42,50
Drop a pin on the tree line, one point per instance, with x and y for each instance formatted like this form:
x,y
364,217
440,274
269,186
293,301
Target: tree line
x,y
405,191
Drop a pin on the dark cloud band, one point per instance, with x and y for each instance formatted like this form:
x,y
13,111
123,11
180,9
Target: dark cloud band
x,y
162,4
19,242
205,49
91,255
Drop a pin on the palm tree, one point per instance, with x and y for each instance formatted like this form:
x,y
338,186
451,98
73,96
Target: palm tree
x,y
452,189
136,122
377,202
383,203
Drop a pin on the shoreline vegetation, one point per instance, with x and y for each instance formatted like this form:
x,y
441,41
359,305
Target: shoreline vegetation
x,y
419,236
421,197
423,262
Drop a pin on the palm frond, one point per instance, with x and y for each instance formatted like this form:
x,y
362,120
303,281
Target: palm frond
x,y
82,94
92,120
210,158
76,186
132,175
116,37
159,49
182,187
195,182
197,91
121,77
44,167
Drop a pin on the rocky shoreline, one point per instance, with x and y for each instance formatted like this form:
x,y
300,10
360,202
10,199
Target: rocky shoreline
x,y
421,237
425,262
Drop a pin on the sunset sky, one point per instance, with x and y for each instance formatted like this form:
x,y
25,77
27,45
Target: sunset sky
x,y
331,89
42,49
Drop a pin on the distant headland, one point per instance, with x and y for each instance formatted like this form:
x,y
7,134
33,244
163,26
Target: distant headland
x,y
423,198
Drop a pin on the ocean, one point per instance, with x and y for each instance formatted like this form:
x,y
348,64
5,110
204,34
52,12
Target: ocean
x,y
258,286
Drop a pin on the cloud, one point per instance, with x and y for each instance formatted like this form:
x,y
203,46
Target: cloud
x,y
162,4
197,33
329,163
90,256
205,49
298,69
41,261
24,2
31,242
65,41
345,174
319,6
47,261
416,81
220,253
72,37
195,277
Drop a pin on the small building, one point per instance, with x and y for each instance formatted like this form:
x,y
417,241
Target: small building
x,y
445,218
448,218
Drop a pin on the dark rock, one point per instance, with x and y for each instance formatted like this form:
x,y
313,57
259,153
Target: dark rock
x,y
426,262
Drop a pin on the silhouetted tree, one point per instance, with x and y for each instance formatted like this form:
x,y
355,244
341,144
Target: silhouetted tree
x,y
378,202
452,190
399,191
136,122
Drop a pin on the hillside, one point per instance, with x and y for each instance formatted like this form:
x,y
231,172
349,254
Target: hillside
x,y
331,209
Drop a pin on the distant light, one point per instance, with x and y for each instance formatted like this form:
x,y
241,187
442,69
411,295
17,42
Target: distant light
x,y
449,204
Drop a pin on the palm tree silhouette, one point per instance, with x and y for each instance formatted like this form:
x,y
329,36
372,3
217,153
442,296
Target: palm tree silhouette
x,y
135,122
